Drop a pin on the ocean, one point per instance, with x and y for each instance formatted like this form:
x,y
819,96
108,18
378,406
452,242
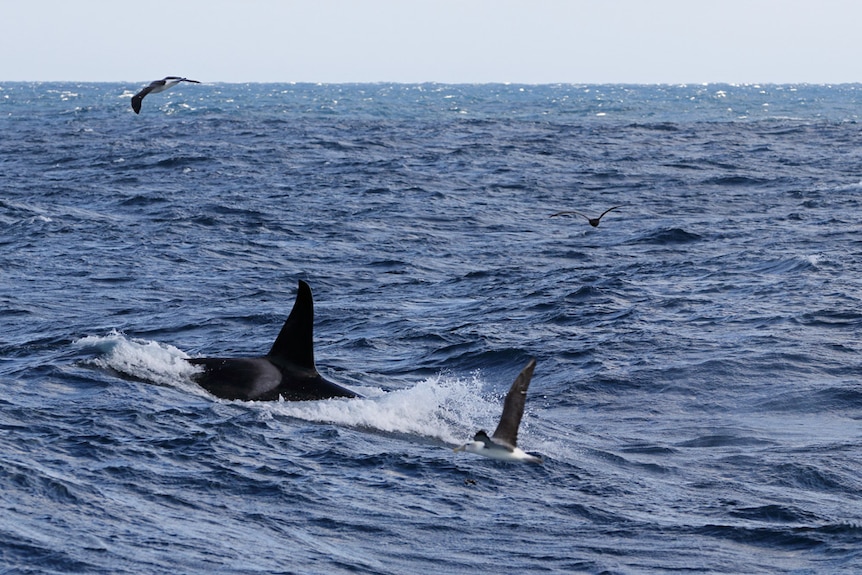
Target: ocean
x,y
697,397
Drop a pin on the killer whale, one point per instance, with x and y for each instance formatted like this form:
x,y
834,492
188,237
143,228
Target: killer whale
x,y
287,372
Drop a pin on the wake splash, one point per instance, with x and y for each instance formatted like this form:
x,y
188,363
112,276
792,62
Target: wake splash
x,y
442,407
142,359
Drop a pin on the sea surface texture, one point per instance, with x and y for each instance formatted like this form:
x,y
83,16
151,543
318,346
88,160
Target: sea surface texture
x,y
697,398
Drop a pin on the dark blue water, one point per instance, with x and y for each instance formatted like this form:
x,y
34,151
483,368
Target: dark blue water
x,y
697,398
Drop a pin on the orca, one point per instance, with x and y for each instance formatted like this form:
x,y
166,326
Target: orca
x,y
287,372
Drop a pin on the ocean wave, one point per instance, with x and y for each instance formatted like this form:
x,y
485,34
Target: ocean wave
x,y
696,398
668,236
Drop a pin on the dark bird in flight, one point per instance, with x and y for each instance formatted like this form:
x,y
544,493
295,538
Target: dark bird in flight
x,y
593,221
155,87
503,444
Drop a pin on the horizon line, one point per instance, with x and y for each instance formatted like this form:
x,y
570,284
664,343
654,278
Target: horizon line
x,y
459,83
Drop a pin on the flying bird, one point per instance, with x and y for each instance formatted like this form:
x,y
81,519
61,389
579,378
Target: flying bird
x,y
593,221
155,87
503,444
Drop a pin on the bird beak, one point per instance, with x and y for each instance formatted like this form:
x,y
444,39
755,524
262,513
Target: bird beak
x,y
459,448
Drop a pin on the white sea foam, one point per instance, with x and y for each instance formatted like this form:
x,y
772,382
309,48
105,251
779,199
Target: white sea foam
x,y
443,406
815,259
143,359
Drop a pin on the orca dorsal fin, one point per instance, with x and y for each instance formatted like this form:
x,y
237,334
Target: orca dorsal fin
x,y
295,341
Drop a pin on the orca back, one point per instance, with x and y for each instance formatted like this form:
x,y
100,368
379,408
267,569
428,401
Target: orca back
x,y
287,372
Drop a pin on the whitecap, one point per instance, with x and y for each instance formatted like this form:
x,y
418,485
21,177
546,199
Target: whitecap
x,y
442,407
152,361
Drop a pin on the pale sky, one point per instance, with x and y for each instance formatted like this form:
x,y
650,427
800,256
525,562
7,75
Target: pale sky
x,y
451,41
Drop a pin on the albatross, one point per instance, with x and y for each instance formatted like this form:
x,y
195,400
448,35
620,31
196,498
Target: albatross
x,y
503,444
155,87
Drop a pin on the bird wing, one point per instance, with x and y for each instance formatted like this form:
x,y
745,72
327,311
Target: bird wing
x,y
513,407
570,213
608,210
175,79
483,437
139,97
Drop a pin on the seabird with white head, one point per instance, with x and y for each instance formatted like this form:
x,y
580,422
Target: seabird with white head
x,y
503,444
155,87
